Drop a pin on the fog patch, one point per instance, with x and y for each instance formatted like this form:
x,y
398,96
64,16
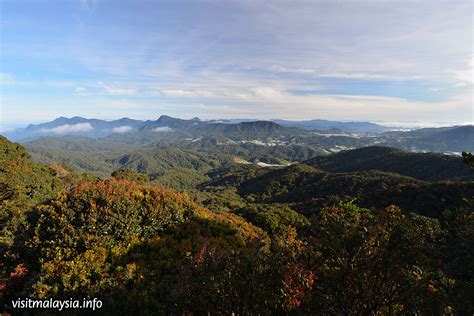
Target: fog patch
x,y
122,129
162,129
69,128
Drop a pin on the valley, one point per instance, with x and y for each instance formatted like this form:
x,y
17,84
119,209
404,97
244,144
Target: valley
x,y
257,141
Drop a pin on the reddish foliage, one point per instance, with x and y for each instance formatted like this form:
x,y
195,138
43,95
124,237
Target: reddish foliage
x,y
15,282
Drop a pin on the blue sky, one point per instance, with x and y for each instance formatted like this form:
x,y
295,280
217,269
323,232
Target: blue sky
x,y
400,62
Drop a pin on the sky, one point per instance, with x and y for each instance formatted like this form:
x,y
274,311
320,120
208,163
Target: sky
x,y
398,62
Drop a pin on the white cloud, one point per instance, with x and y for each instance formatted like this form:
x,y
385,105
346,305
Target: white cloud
x,y
102,89
267,93
282,69
114,90
69,128
419,124
162,129
466,76
179,93
122,129
6,79
263,51
4,129
87,5
368,76
278,103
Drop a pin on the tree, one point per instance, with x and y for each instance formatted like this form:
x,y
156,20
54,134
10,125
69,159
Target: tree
x,y
468,159
130,175
458,251
371,261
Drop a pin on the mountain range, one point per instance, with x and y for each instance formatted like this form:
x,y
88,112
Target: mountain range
x,y
358,127
113,206
99,128
319,135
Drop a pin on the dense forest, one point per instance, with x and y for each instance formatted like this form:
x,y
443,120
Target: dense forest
x,y
171,230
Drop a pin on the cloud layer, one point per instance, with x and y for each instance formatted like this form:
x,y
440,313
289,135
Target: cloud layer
x,y
367,60
70,128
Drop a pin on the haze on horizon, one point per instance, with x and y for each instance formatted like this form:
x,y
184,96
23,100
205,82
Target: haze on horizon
x,y
400,62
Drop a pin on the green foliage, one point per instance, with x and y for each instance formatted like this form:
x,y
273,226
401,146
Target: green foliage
x,y
274,219
22,185
270,279
286,240
307,190
369,262
94,216
130,175
101,238
458,254
445,139
422,166
181,179
468,159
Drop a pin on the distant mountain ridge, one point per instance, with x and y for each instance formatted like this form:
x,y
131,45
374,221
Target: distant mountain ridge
x,y
76,125
454,139
165,121
81,126
329,137
344,126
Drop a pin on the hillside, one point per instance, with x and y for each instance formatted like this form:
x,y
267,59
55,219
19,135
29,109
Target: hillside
x,y
78,126
94,128
23,184
307,189
248,130
102,156
362,127
156,162
323,136
113,231
423,166
455,139
375,176
167,122
255,244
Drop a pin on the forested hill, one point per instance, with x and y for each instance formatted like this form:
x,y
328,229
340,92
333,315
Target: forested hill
x,y
307,189
316,135
22,185
243,239
422,166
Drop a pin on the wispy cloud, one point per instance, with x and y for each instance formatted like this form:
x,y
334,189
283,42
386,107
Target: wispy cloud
x,y
7,79
466,76
101,88
87,4
318,59
115,90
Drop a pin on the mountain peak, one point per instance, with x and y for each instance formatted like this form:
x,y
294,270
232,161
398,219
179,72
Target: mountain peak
x,y
60,119
166,117
262,124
